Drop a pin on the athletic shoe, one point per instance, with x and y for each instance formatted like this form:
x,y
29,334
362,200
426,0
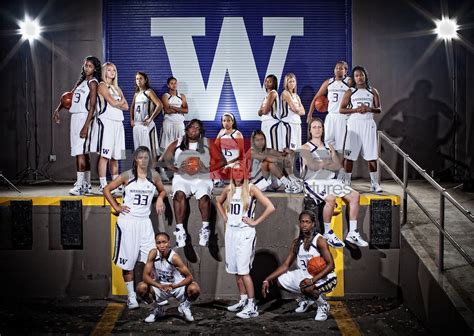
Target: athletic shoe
x,y
333,240
117,191
219,184
250,310
158,311
87,188
185,310
376,188
303,304
238,306
355,238
323,312
291,188
78,190
132,302
298,186
180,238
204,236
164,177
101,189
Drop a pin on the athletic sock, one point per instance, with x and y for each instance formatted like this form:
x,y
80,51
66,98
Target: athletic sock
x,y
327,227
80,178
352,225
373,177
103,181
130,289
320,301
205,225
243,297
87,176
348,177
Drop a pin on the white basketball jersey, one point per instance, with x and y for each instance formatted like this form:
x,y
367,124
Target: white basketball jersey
x,y
319,154
143,106
165,271
107,111
361,97
287,114
274,109
138,195
336,90
174,101
236,210
192,151
303,256
230,146
81,97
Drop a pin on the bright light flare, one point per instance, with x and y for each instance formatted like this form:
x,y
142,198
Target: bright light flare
x,y
30,29
447,29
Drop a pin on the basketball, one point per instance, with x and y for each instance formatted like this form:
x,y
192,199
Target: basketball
x,y
321,104
316,265
192,166
66,100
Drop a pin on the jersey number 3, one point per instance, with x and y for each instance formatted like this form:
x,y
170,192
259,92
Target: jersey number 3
x,y
140,200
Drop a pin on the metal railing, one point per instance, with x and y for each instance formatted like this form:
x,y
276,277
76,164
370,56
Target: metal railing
x,y
443,196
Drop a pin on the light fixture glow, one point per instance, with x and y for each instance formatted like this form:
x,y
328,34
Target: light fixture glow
x,y
30,29
447,28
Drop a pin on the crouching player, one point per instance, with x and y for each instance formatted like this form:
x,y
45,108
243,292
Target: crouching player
x,y
165,276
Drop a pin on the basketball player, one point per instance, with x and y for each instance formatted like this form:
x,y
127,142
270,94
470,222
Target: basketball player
x,y
111,134
319,164
230,142
291,111
165,275
269,111
189,158
134,236
360,103
265,163
335,122
309,244
175,106
236,204
83,109
145,107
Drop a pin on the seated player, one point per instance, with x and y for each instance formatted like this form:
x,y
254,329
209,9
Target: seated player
x,y
309,244
165,276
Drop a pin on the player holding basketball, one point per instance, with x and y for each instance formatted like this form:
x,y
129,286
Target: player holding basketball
x,y
189,158
165,275
236,204
291,111
309,244
320,184
269,111
134,235
111,134
83,109
360,103
335,122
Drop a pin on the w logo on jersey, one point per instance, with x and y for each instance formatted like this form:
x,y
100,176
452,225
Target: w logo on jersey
x,y
105,151
122,261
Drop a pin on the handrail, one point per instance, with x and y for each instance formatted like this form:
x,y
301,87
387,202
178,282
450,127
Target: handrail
x,y
443,196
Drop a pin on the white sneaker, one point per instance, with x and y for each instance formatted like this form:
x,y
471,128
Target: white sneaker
x,y
355,238
250,310
180,238
158,311
292,188
204,234
78,190
219,184
303,304
376,188
164,177
322,313
132,302
87,188
185,310
333,240
117,191
238,306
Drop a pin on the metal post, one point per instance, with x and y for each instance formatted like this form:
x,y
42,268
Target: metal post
x,y
379,151
405,194
441,235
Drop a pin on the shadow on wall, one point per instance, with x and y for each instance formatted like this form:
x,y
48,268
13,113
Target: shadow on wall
x,y
424,129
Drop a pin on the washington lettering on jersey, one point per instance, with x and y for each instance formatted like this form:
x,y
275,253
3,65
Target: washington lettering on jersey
x,y
336,90
138,194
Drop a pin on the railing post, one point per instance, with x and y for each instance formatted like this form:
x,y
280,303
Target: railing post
x,y
441,235
405,194
379,151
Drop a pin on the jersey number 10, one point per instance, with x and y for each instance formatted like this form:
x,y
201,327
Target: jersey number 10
x,y
235,209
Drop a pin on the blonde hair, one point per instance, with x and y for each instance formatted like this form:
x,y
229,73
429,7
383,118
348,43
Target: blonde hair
x,y
114,84
289,76
245,194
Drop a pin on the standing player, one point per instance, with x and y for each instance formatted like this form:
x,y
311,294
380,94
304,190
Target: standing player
x,y
320,184
291,111
134,236
111,134
360,103
171,278
268,112
309,244
83,109
145,107
335,122
236,204
189,158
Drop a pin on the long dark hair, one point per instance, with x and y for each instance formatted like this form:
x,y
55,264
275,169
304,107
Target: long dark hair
x,y
147,81
185,143
97,70
309,128
275,82
137,151
364,71
254,134
301,236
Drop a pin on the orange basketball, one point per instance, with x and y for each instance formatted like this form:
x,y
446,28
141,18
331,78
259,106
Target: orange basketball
x,y
321,104
316,265
192,166
66,100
